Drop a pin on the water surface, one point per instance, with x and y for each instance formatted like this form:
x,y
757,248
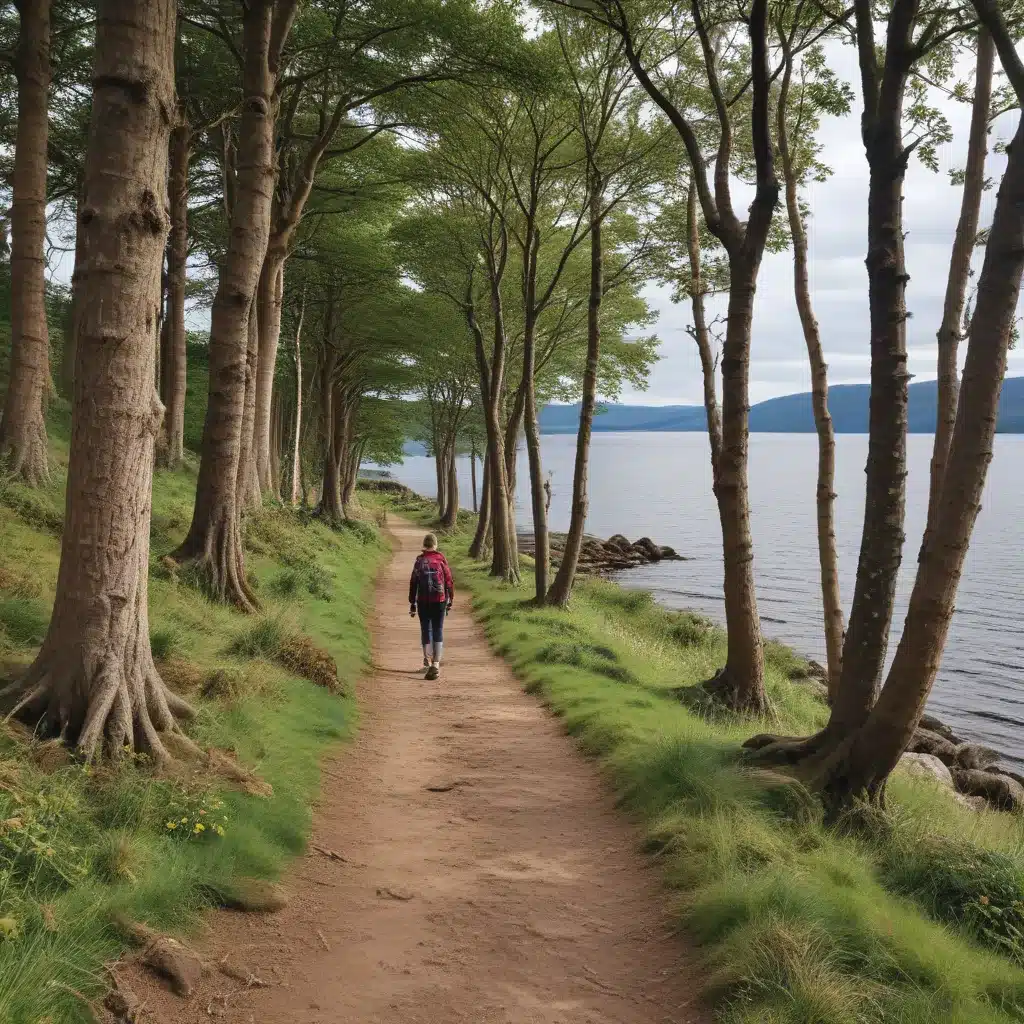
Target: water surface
x,y
659,485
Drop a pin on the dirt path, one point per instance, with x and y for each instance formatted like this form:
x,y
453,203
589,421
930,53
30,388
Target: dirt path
x,y
512,896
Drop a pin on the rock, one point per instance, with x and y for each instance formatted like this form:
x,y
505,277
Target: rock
x,y
616,542
933,724
999,790
253,895
927,766
1016,776
927,742
669,554
973,755
972,803
646,547
122,1003
175,962
817,671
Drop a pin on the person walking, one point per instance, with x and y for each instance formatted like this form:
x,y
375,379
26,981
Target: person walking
x,y
431,593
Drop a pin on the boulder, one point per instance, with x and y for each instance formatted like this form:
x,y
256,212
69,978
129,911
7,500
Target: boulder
x,y
670,554
999,790
646,547
927,766
1016,776
817,671
933,724
616,542
927,742
973,755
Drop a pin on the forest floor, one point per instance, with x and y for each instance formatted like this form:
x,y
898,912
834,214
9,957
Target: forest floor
x,y
467,864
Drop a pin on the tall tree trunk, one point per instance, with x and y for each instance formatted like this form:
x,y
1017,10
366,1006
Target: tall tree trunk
x,y
296,471
861,765
701,333
332,505
561,589
176,366
94,681
504,563
960,269
247,489
828,561
214,538
483,523
472,476
67,361
351,475
271,295
276,434
542,546
450,518
740,684
23,424
881,548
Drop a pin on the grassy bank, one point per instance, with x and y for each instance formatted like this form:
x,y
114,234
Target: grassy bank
x,y
918,919
77,843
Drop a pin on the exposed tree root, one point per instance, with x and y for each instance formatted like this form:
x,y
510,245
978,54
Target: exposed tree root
x,y
99,706
216,558
726,689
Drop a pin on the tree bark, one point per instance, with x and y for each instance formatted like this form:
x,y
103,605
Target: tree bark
x,y
701,333
483,523
542,545
828,561
247,486
450,517
332,504
276,434
174,378
214,538
94,682
23,445
270,298
296,472
860,766
960,269
561,588
881,549
472,477
504,563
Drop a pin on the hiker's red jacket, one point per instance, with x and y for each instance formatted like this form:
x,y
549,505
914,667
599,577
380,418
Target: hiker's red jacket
x,y
431,560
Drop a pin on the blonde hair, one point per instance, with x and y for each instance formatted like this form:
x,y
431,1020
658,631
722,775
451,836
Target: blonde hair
x,y
429,542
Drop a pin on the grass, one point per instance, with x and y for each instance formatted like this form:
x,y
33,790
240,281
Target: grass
x,y
916,920
78,843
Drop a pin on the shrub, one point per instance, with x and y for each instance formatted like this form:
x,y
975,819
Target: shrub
x,y
263,639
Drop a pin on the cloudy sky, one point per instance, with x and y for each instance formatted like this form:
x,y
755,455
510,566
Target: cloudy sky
x,y
838,238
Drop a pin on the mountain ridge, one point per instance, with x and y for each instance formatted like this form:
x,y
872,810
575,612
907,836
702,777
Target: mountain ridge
x,y
787,414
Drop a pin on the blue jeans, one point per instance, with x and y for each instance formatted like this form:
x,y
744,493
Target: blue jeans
x,y
431,615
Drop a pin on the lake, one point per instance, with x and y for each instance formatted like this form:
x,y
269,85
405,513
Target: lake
x,y
659,485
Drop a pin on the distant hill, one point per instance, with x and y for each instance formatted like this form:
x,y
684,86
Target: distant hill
x,y
790,414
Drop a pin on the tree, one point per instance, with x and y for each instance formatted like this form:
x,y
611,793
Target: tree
x,y
797,118
617,153
853,756
213,542
651,39
23,442
94,681
960,267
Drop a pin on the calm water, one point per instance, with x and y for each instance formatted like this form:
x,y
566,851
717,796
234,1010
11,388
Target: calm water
x,y
659,485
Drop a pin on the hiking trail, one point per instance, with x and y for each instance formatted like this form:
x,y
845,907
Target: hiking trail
x,y
487,876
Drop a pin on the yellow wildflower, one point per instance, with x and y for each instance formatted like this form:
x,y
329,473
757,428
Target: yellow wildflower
x,y
172,824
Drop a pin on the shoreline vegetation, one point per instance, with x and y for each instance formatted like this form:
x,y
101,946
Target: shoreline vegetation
x,y
916,915
91,852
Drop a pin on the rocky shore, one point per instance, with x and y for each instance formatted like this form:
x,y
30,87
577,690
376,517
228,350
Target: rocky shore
x,y
971,771
598,557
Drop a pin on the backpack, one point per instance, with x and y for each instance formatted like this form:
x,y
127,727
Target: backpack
x,y
430,585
